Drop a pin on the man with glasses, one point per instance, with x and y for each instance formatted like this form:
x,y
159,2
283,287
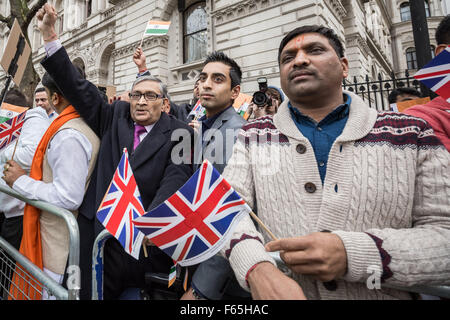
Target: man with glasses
x,y
142,128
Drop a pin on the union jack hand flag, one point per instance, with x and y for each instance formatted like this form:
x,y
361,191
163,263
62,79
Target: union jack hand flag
x,y
10,129
194,223
436,74
121,204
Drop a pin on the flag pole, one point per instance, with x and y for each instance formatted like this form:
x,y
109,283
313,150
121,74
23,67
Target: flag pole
x,y
142,39
254,216
5,90
14,152
144,245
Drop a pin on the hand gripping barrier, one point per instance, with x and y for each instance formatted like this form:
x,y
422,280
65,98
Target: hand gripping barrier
x,y
9,256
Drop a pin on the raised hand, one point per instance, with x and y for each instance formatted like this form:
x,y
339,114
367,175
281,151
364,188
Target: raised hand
x,y
46,17
139,59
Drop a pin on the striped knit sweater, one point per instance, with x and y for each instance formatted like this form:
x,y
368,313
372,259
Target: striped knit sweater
x,y
386,194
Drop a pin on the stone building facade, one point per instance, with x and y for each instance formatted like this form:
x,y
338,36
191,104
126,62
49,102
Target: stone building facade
x,y
101,36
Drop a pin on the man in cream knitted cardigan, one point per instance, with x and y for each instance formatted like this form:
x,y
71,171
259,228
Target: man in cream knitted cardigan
x,y
355,197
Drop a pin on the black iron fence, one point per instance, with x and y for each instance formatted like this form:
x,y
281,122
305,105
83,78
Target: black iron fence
x,y
376,92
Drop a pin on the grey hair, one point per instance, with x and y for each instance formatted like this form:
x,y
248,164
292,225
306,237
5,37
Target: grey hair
x,y
162,86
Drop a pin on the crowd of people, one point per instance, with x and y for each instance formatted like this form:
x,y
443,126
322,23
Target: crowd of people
x,y
353,195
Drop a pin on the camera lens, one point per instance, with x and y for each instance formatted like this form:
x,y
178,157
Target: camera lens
x,y
259,98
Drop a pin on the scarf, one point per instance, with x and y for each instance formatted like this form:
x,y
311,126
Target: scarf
x,y
31,246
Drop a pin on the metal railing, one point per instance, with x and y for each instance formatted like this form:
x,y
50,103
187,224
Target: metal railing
x,y
376,91
45,281
438,291
97,264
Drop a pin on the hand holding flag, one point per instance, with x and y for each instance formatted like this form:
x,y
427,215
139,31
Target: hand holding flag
x,y
194,223
121,204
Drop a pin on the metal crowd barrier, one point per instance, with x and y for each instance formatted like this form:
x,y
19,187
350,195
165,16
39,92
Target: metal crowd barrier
x,y
97,264
10,257
437,291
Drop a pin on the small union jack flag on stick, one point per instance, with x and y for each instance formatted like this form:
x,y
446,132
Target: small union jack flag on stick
x,y
10,129
197,111
120,206
194,223
436,74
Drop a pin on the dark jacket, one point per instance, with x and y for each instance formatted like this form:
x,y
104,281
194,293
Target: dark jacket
x,y
179,111
156,175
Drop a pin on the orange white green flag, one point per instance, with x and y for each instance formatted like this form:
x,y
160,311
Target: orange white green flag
x,y
157,28
9,111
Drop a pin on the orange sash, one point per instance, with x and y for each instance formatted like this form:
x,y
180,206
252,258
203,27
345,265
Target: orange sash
x,y
31,246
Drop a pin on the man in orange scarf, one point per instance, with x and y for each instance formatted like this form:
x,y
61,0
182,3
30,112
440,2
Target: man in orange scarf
x,y
60,173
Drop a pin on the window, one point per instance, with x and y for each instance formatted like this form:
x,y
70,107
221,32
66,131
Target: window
x,y
194,32
88,8
411,58
59,7
427,9
405,12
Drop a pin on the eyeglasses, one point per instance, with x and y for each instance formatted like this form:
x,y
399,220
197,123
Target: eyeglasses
x,y
149,96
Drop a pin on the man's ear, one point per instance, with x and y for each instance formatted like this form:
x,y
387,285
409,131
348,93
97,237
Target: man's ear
x,y
235,92
166,105
56,98
344,64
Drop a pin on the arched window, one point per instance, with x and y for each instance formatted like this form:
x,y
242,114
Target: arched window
x,y
405,12
411,58
194,32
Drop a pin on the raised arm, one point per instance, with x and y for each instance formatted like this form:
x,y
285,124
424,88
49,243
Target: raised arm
x,y
81,93
139,59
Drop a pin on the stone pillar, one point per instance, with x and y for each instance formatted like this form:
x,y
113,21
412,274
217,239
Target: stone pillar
x,y
95,7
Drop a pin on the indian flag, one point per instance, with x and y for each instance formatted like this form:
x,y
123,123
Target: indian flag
x,y
172,274
157,28
9,111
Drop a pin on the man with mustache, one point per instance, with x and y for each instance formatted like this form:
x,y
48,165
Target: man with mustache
x,y
356,198
138,125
